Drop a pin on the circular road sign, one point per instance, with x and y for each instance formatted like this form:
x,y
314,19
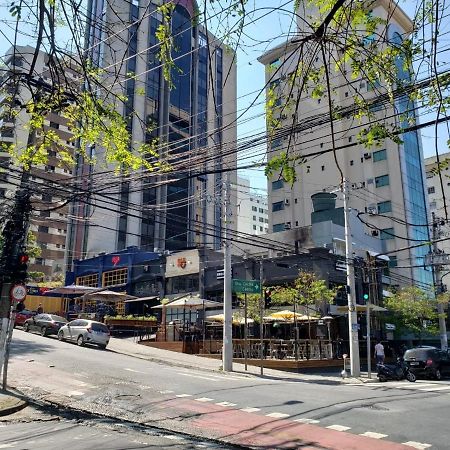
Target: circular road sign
x,y
18,292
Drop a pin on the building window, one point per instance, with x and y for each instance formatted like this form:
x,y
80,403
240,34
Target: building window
x,y
383,180
261,219
379,155
254,208
254,227
115,277
260,228
277,227
254,218
384,207
278,184
277,206
323,168
54,125
261,210
392,261
387,233
431,190
295,201
88,280
351,162
433,205
42,229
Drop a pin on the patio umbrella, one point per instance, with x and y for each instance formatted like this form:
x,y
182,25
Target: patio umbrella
x,y
190,302
108,296
283,316
220,318
72,289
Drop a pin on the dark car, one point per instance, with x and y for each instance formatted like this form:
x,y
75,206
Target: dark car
x,y
428,361
45,324
22,316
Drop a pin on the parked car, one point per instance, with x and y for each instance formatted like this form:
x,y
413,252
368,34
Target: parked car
x,y
428,361
22,316
84,331
44,323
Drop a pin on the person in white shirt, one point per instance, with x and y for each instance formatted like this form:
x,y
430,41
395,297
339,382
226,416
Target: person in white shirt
x,y
379,352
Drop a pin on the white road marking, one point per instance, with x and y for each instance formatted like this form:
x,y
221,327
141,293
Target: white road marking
x,y
417,445
204,399
183,395
250,410
135,371
338,428
412,386
439,388
173,437
197,376
166,392
277,415
10,445
75,393
306,420
373,435
225,404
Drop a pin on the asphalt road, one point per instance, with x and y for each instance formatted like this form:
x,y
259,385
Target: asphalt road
x,y
219,405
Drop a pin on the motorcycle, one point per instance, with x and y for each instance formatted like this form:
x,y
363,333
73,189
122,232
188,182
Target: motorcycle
x,y
398,372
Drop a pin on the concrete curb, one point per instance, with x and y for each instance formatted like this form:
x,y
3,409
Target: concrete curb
x,y
10,404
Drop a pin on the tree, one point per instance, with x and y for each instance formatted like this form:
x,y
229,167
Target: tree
x,y
413,311
306,290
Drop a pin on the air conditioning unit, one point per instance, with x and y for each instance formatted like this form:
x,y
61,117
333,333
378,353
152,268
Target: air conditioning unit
x,y
371,209
287,226
374,233
286,202
367,156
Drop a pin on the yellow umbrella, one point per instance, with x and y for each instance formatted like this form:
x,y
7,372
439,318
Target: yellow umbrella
x,y
220,318
288,316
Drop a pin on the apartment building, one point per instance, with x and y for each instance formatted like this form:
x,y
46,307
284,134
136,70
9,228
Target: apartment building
x,y
252,214
387,182
192,117
48,223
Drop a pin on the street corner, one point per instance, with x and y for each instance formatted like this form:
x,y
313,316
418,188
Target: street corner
x,y
10,403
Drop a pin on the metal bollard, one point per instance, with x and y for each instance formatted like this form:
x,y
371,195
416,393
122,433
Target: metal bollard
x,y
344,373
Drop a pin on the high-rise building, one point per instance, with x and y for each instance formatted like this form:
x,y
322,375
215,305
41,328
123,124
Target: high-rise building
x,y
192,115
252,215
438,191
387,182
48,223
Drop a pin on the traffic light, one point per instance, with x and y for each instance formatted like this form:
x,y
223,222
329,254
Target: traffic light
x,y
267,298
22,268
365,293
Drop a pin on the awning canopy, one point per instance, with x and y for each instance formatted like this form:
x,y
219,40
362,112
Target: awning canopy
x,y
342,310
377,255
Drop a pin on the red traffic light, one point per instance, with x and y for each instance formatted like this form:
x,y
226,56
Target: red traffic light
x,y
23,259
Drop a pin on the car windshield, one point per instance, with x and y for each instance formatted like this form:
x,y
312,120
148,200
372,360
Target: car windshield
x,y
99,327
58,318
419,353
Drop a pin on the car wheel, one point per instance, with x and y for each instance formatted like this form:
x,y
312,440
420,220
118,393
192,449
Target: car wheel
x,y
44,331
26,327
382,378
411,377
438,375
80,341
102,346
60,336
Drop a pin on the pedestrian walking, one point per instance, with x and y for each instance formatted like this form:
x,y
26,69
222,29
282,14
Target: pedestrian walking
x,y
379,353
40,309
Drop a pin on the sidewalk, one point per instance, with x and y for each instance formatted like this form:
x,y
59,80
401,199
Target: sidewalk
x,y
9,403
127,346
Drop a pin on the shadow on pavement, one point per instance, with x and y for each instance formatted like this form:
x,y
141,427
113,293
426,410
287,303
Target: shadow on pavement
x,y
19,346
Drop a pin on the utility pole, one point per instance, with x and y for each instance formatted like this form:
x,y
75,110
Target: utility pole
x,y
437,278
261,315
227,352
352,317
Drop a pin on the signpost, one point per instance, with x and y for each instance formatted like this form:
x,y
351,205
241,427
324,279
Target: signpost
x,y
246,286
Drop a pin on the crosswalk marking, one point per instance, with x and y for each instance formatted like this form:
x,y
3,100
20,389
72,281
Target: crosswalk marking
x,y
439,388
338,427
277,415
250,410
225,404
204,399
373,435
183,395
166,392
412,386
417,445
306,420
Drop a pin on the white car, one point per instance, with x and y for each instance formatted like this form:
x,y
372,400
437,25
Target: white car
x,y
84,331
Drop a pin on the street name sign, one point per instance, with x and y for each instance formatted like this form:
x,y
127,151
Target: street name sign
x,y
246,286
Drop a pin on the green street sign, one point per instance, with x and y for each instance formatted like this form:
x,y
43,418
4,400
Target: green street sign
x,y
246,286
